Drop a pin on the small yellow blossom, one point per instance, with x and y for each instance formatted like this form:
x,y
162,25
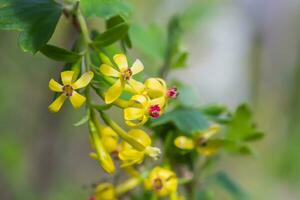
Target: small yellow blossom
x,y
161,181
129,155
140,109
156,89
68,89
104,191
202,142
123,74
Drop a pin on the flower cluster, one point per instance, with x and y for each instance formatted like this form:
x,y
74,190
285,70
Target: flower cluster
x,y
109,141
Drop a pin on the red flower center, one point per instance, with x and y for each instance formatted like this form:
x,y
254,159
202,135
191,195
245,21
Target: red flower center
x,y
127,74
172,92
154,111
92,198
157,184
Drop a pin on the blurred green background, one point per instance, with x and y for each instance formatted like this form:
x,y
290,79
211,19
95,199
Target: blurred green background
x,y
240,51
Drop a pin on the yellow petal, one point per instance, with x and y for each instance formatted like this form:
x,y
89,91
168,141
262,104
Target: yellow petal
x,y
56,105
138,123
184,143
109,139
66,77
137,67
105,191
84,80
55,86
137,86
212,130
140,136
108,70
114,92
211,147
141,99
77,99
156,84
121,61
161,101
132,113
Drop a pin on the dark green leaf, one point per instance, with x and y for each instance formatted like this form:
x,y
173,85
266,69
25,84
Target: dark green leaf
x,y
254,137
186,120
59,54
106,8
111,35
36,20
230,186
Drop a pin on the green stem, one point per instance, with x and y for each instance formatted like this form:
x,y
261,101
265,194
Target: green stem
x,y
123,134
83,26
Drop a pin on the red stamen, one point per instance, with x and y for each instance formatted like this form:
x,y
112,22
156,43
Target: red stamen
x,y
154,111
172,92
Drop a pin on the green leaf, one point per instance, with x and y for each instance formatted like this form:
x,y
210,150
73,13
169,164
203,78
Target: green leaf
x,y
188,95
213,109
83,120
186,120
151,40
242,127
105,8
59,54
36,21
179,61
230,186
111,35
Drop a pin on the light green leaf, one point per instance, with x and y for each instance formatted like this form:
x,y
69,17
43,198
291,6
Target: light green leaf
x,y
36,20
151,40
83,120
179,60
186,120
60,54
106,8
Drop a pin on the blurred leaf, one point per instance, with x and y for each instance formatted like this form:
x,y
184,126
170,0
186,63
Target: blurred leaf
x,y
206,195
186,120
36,20
151,40
179,61
111,35
254,137
59,54
231,186
242,127
116,20
213,109
83,120
106,8
188,95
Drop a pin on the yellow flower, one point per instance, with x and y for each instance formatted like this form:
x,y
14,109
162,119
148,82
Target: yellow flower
x,y
104,191
140,109
161,181
130,156
123,74
202,142
156,89
109,139
68,89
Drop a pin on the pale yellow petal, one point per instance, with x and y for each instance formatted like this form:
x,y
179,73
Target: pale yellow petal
x,y
121,61
183,142
133,113
137,67
57,103
55,86
140,136
77,99
161,101
137,86
137,123
84,80
156,84
108,70
114,92
66,77
141,99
